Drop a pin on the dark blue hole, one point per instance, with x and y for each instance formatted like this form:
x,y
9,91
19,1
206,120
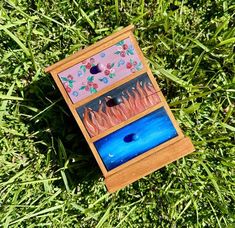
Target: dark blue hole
x,y
130,138
95,69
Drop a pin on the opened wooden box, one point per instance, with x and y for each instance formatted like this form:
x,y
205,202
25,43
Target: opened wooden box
x,y
120,109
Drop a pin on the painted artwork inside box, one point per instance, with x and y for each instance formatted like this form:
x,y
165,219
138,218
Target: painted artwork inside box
x,y
118,105
136,138
100,70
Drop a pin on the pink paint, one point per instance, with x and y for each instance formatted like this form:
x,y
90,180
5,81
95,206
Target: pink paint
x,y
101,70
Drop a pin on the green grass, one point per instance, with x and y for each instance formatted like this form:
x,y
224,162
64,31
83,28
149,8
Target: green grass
x,y
48,176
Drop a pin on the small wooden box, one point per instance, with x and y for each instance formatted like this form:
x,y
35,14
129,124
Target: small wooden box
x,y
120,109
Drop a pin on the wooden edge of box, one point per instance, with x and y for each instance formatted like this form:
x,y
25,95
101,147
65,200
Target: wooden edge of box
x,y
149,164
89,48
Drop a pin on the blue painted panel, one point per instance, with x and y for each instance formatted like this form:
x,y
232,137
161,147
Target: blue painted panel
x,y
135,138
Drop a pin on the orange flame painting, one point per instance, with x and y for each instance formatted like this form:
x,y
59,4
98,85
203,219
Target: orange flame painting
x,y
132,101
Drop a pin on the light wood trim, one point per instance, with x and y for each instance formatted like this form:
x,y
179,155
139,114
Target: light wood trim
x,y
109,88
90,48
126,122
149,164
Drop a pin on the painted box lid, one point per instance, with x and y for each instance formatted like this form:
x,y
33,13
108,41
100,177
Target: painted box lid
x,y
100,70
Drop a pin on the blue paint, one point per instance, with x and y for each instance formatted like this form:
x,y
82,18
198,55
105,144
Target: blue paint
x,y
135,138
79,73
104,80
75,93
102,54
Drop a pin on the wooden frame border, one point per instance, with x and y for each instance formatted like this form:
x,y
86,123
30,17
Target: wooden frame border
x,y
176,145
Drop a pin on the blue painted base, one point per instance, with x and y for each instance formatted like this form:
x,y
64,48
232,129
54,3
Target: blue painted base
x,y
135,139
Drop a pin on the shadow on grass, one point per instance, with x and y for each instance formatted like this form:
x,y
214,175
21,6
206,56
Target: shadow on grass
x,y
57,136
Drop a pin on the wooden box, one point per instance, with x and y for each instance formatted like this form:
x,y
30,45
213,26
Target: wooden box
x,y
120,109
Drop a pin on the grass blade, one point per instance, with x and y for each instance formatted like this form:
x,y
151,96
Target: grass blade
x,y
8,97
212,178
16,39
132,209
199,44
194,97
46,109
12,179
4,103
173,78
228,41
117,9
90,22
228,126
104,217
45,211
197,64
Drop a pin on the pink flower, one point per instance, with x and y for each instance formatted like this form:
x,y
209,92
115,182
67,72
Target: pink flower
x,y
92,60
132,70
70,77
134,63
106,72
128,65
95,86
125,46
122,53
68,89
88,66
109,66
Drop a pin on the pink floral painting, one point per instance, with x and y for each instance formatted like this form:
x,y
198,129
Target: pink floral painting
x,y
101,70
